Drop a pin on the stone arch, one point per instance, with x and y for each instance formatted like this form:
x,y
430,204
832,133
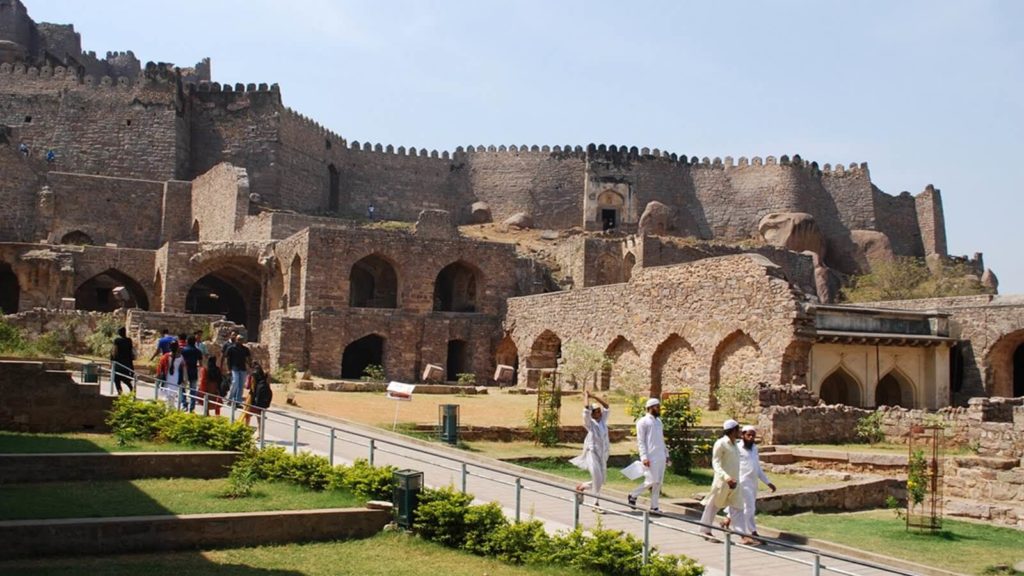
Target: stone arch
x,y
628,263
736,362
622,358
373,283
78,238
361,353
544,355
610,208
673,366
894,389
276,296
840,387
455,289
460,359
609,270
232,288
295,282
1002,376
507,353
97,293
10,289
333,188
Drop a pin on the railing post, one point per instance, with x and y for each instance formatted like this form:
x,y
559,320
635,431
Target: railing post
x,y
816,567
372,450
577,497
295,436
234,406
464,477
519,496
263,429
181,399
206,405
647,537
728,554
156,390
330,448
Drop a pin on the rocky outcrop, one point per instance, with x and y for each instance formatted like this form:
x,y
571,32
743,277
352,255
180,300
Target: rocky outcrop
x,y
480,213
871,247
796,231
518,220
656,219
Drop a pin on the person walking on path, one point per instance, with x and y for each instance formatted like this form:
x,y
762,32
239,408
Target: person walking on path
x,y
260,395
210,379
596,447
750,474
650,438
193,358
725,462
163,345
238,358
122,355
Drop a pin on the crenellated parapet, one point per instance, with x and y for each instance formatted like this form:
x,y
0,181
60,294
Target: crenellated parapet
x,y
59,76
312,124
229,95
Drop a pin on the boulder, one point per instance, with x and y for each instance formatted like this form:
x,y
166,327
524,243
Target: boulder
x,y
796,231
479,213
656,219
871,246
519,220
989,280
436,225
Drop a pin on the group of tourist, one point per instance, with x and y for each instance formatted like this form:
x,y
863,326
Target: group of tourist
x,y
734,460
186,366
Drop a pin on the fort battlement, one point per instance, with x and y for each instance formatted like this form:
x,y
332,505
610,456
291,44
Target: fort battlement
x,y
309,122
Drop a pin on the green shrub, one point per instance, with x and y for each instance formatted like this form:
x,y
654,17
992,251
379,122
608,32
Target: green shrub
x,y
869,428
101,339
482,523
546,420
669,565
241,481
679,418
523,543
366,481
131,419
374,373
441,516
50,344
737,399
309,470
284,373
11,339
466,379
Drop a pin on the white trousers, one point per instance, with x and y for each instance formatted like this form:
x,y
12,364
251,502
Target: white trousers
x,y
598,468
743,519
653,477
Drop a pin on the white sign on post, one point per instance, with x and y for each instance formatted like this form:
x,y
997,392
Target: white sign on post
x,y
401,392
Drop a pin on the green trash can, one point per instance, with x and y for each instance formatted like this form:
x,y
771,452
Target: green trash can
x,y
90,373
448,419
406,496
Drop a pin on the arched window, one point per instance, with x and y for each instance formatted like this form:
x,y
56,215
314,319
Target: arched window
x,y
373,283
366,351
295,282
628,263
623,356
840,387
110,290
455,289
544,355
894,390
76,237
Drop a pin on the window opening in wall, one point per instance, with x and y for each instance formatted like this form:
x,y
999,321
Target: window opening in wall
x,y
97,293
455,289
77,238
1018,371
608,218
373,283
28,119
327,144
10,289
128,122
333,190
458,359
840,388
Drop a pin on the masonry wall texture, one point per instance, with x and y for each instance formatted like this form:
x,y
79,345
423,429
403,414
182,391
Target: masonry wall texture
x,y
44,406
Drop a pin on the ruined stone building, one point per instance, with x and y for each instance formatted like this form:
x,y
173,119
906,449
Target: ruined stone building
x,y
207,198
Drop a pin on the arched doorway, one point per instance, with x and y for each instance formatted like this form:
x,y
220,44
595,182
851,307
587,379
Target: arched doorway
x,y
894,390
77,238
736,362
609,209
508,354
840,387
10,290
628,263
368,350
459,360
233,291
455,288
295,282
544,355
672,366
623,357
1018,371
373,283
97,293
333,188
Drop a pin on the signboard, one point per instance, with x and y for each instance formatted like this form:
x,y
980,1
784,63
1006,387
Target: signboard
x,y
400,391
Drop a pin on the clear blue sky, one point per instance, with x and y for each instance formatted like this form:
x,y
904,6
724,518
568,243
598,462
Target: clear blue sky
x,y
926,92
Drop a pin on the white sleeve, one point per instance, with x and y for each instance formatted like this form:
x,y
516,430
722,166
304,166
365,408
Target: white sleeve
x,y
756,458
643,432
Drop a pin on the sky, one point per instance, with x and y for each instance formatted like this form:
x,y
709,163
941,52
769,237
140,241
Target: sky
x,y
925,92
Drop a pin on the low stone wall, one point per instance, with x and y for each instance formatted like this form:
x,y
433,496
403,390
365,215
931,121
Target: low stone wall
x,y
37,398
71,327
26,538
117,466
838,461
811,424
990,489
348,386
855,495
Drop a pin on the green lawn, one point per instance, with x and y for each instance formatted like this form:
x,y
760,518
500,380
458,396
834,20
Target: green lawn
x,y
699,480
961,546
156,497
387,554
19,443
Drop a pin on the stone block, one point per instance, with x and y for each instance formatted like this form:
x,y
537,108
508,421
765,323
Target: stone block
x,y
503,374
433,373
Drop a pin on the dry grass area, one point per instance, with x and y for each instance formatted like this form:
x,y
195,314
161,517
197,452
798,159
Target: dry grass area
x,y
493,409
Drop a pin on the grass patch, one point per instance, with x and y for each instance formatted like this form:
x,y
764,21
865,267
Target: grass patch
x,y
21,443
675,486
961,546
156,497
389,553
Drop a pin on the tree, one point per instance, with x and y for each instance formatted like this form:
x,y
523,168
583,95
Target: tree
x,y
906,278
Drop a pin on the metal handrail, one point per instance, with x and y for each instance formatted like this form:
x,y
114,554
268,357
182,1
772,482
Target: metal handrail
x,y
518,481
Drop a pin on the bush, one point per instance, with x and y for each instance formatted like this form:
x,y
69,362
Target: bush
x,y
441,516
132,419
241,482
679,417
545,422
523,543
869,428
737,399
14,343
284,374
466,379
11,340
101,339
366,481
483,523
374,373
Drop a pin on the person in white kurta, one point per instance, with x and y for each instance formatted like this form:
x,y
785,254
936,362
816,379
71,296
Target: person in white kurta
x,y
595,446
750,473
725,462
650,439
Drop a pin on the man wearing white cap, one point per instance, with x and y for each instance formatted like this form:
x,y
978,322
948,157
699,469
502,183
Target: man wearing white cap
x,y
750,473
650,438
594,458
725,461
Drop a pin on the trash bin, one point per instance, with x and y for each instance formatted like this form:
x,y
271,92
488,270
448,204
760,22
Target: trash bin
x,y
406,496
448,418
90,373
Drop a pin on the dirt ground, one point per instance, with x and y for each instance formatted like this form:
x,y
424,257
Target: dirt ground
x,y
493,409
